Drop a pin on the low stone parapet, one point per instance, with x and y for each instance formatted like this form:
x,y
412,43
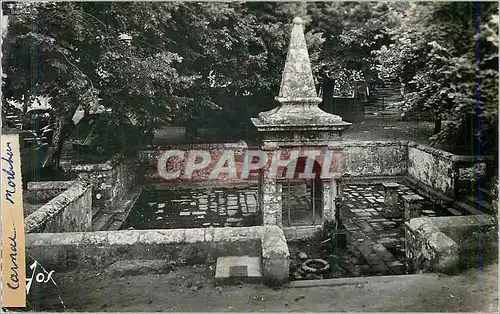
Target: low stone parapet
x,y
449,244
70,211
67,251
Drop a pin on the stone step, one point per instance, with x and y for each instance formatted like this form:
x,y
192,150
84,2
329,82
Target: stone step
x,y
473,201
101,221
233,269
485,193
95,212
469,210
453,211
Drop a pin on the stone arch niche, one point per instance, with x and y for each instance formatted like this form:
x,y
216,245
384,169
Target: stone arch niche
x,y
302,198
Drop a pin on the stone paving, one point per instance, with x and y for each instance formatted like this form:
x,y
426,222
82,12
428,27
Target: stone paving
x,y
380,240
195,208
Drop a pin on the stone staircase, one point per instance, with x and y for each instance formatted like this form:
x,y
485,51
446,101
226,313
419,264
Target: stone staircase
x,y
481,200
104,220
384,101
101,220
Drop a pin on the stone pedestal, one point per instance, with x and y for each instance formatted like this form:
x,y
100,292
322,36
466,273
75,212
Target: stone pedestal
x,y
390,209
412,206
297,122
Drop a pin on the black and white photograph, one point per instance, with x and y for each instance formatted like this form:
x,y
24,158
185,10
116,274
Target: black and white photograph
x,y
182,156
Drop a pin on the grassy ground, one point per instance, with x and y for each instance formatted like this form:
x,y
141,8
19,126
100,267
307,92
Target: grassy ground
x,y
189,289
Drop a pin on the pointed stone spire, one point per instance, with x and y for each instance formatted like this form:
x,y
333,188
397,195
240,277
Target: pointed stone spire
x,y
298,119
297,81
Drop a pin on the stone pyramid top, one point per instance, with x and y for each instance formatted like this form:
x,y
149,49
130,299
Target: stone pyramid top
x,y
297,96
297,81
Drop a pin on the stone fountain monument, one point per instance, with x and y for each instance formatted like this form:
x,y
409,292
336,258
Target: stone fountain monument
x,y
295,123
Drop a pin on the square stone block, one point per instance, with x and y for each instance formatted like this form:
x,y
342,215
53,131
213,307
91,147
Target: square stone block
x,y
230,269
390,185
412,206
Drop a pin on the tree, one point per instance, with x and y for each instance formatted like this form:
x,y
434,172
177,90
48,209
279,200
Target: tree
x,y
449,67
351,31
85,54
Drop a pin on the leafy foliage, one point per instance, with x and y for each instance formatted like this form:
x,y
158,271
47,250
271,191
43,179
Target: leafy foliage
x,y
446,54
156,63
84,54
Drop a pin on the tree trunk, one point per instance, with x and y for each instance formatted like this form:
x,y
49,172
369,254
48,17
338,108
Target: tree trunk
x,y
328,95
62,129
437,125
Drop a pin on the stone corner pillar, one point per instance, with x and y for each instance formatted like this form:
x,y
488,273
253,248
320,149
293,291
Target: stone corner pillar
x,y
271,202
390,209
412,206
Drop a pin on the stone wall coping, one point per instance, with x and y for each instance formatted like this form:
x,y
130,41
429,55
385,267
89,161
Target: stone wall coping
x,y
235,145
441,243
412,198
451,221
416,223
155,236
431,150
107,165
462,221
274,245
55,205
390,185
472,158
447,155
374,143
49,185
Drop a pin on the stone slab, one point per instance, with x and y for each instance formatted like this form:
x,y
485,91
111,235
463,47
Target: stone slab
x,y
412,198
390,184
238,268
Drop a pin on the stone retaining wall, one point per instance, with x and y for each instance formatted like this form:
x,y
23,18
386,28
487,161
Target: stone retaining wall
x,y
66,251
374,158
446,172
110,180
70,211
432,167
367,158
448,244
